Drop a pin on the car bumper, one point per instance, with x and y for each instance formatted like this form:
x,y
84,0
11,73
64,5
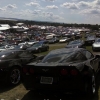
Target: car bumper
x,y
62,86
89,42
3,75
96,48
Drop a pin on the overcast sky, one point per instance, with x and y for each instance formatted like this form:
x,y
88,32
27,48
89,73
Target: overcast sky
x,y
65,11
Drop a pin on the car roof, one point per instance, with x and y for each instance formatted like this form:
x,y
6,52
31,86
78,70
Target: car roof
x,y
43,41
65,50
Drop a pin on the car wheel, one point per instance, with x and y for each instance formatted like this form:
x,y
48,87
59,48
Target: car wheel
x,y
47,48
14,76
91,87
39,51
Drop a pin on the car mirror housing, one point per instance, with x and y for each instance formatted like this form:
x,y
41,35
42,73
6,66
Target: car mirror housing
x,y
40,57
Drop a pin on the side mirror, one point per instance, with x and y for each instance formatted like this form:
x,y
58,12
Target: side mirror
x,y
40,57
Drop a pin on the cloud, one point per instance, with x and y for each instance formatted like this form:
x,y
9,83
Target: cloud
x,y
97,2
50,15
2,9
70,5
36,11
84,4
52,7
93,4
91,11
49,0
9,6
33,4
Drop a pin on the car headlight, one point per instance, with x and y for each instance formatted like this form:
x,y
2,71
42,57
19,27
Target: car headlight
x,y
76,47
36,48
93,45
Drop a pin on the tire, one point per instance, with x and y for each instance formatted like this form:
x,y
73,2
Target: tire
x,y
39,51
47,49
91,87
14,76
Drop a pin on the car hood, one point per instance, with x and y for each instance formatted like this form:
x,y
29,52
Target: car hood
x,y
96,44
78,65
63,39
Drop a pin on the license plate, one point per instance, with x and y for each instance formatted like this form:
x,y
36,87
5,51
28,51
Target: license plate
x,y
46,80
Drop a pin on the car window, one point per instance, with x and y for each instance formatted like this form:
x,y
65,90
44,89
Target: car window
x,y
64,57
37,45
75,57
56,57
88,54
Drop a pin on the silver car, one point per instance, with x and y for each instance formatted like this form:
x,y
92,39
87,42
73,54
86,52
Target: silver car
x,y
96,45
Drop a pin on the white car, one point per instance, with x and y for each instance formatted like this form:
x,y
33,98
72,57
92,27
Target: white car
x,y
64,39
6,47
29,43
96,45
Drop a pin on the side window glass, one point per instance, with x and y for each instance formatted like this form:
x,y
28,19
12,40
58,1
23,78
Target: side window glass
x,y
75,57
88,54
79,57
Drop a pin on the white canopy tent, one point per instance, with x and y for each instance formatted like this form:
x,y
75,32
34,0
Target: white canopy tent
x,y
4,27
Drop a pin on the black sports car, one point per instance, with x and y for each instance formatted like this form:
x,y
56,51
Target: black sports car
x,y
39,47
76,44
11,62
90,40
63,70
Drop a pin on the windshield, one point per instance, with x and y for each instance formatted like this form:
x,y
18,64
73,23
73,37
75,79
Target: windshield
x,y
97,40
37,45
74,42
2,47
91,37
53,58
18,46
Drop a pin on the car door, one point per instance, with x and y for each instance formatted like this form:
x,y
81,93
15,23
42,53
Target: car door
x,y
44,46
26,57
94,62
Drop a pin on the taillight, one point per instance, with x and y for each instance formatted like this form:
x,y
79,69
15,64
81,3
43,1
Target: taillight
x,y
64,72
28,70
25,70
31,70
74,72
85,73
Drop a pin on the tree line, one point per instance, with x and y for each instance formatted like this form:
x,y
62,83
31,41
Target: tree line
x,y
30,22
